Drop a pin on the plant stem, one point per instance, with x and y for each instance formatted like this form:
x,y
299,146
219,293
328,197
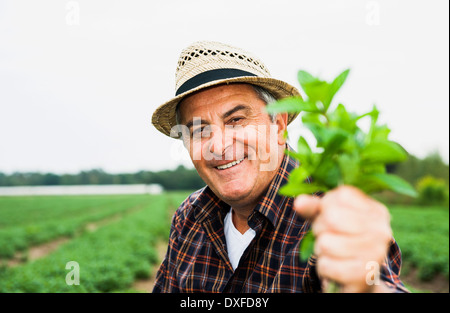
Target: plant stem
x,y
332,287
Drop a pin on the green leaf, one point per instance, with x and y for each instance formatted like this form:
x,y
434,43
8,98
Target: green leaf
x,y
383,151
308,160
312,118
294,155
335,141
373,168
315,89
380,133
374,114
353,144
291,105
305,78
380,182
339,81
327,173
293,190
374,118
303,146
329,138
298,175
343,119
318,92
349,167
307,246
335,86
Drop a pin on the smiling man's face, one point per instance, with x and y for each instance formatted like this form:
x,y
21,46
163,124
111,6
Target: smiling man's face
x,y
233,143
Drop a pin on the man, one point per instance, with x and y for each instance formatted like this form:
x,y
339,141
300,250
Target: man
x,y
238,234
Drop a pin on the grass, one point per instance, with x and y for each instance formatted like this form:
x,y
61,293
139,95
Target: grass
x,y
423,236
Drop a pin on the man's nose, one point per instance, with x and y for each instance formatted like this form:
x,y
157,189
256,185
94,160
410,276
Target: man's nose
x,y
216,142
220,141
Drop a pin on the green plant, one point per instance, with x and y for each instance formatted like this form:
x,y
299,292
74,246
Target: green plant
x,y
344,152
432,190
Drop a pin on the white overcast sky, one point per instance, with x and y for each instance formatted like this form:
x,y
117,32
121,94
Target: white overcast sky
x,y
79,80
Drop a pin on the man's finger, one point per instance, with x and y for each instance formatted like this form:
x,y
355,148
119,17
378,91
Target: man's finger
x,y
344,247
307,206
356,199
343,271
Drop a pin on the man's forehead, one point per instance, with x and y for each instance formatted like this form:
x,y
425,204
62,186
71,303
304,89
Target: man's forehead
x,y
220,100
220,92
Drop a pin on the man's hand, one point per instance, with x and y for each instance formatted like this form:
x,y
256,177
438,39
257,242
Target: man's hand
x,y
352,232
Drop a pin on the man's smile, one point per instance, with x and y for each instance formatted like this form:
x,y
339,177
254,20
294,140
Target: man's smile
x,y
229,165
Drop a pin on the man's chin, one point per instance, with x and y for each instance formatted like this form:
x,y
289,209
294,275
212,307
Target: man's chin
x,y
232,193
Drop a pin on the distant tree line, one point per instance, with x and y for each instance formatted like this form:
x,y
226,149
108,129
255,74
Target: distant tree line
x,y
182,178
413,169
179,179
430,177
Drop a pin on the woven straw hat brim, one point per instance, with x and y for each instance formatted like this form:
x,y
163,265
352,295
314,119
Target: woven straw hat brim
x,y
164,117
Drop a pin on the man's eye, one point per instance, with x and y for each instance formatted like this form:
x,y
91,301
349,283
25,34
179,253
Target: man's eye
x,y
236,119
198,131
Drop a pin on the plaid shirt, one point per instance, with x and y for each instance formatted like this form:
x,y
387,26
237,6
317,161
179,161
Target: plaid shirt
x,y
197,258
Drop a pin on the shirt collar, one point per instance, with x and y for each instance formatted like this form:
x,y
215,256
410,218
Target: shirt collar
x,y
272,203
208,205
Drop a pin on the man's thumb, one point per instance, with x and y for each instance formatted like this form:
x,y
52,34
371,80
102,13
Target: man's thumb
x,y
307,206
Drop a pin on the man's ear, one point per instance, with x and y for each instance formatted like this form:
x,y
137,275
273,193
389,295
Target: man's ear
x,y
281,122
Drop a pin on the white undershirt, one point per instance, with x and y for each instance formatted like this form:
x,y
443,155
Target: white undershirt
x,y
236,242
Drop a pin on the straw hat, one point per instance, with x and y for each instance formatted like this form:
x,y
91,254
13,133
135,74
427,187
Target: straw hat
x,y
205,64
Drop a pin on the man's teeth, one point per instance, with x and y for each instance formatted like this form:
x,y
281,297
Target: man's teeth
x,y
222,167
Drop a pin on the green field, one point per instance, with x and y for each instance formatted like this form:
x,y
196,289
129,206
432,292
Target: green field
x,y
121,249
110,258
423,236
26,221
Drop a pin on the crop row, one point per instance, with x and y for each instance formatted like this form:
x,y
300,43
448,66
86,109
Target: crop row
x,y
109,259
27,221
423,236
